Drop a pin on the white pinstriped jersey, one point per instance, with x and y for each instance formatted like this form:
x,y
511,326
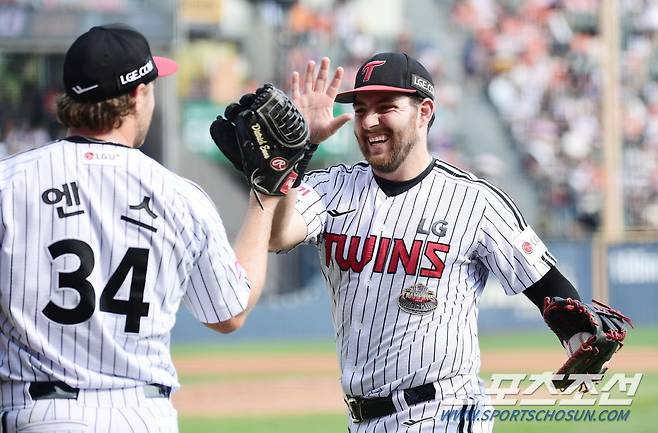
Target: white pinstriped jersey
x,y
405,272
100,244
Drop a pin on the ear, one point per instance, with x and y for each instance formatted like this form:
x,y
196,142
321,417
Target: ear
x,y
426,111
141,90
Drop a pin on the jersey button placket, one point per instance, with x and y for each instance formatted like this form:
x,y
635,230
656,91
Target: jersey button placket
x,y
379,217
380,210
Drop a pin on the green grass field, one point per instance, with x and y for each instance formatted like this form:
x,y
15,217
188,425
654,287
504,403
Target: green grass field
x,y
643,416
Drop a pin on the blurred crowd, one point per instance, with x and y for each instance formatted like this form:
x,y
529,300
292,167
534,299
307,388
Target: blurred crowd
x,y
539,61
27,110
338,31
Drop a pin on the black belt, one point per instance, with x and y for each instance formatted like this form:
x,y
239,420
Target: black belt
x,y
60,390
367,408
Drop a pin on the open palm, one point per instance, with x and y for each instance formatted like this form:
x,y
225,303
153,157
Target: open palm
x,y
315,99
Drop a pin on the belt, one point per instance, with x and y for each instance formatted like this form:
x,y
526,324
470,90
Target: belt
x,y
366,408
60,390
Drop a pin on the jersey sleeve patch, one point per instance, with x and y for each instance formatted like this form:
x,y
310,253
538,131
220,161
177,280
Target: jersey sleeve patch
x,y
530,246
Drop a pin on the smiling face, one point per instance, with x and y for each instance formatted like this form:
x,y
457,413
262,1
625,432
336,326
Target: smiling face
x,y
386,125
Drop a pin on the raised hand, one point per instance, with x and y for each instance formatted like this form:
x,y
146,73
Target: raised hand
x,y
315,99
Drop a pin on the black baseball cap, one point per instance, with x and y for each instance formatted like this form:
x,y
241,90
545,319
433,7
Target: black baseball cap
x,y
390,72
111,60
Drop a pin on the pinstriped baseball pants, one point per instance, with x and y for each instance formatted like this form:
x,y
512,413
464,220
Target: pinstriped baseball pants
x,y
94,411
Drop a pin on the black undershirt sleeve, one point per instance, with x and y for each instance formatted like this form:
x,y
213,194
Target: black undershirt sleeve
x,y
551,284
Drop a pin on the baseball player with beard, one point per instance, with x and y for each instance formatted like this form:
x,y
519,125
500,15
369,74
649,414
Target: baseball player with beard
x,y
99,244
406,243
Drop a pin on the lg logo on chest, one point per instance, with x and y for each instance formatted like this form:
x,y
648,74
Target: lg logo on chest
x,y
437,228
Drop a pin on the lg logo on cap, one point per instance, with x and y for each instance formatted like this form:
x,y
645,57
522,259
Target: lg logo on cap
x,y
421,83
136,74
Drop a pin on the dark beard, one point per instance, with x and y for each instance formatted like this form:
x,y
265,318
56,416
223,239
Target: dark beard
x,y
397,157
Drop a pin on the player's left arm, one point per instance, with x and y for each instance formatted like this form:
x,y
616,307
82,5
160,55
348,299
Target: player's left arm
x,y
518,256
552,284
590,333
508,246
225,280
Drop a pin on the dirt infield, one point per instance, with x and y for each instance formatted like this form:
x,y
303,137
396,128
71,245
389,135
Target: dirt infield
x,y
222,385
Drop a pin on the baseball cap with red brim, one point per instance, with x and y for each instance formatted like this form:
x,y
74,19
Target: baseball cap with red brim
x,y
390,72
109,61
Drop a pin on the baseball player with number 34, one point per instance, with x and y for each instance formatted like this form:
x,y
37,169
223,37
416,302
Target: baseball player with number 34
x,y
406,243
99,244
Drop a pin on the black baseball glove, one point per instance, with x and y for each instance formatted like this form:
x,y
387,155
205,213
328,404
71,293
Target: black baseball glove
x,y
603,329
266,138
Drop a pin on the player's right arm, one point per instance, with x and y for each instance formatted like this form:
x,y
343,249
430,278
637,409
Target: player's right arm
x,y
225,280
289,228
251,250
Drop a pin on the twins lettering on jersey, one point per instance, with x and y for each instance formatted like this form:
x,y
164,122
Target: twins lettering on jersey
x,y
377,248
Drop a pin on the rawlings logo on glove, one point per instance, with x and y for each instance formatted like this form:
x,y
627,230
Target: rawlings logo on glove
x,y
266,138
598,330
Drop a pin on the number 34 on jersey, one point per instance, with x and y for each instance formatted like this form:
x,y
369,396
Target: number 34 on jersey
x,y
135,260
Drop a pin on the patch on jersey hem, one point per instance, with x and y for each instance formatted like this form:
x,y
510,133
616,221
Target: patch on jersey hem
x,y
417,299
529,244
